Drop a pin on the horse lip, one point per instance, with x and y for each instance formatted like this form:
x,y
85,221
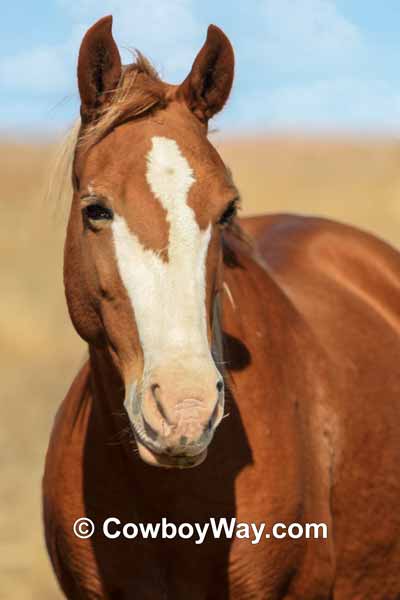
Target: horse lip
x,y
169,461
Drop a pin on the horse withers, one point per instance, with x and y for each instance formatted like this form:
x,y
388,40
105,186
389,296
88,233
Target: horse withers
x,y
293,323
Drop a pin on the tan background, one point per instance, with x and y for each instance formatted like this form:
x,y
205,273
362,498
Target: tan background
x,y
357,181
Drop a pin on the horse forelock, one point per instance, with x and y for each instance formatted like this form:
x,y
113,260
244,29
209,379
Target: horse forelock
x,y
139,91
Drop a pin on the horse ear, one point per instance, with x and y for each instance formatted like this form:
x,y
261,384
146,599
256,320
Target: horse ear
x,y
207,87
99,67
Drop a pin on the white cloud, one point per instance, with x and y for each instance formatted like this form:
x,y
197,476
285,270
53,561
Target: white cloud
x,y
44,69
313,70
40,70
305,35
336,103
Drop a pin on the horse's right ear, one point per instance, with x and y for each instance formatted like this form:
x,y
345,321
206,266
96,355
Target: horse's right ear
x,y
207,87
99,67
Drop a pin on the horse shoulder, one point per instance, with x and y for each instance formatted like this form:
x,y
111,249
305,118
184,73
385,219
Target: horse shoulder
x,y
72,558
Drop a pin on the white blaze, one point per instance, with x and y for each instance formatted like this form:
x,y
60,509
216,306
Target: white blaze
x,y
168,298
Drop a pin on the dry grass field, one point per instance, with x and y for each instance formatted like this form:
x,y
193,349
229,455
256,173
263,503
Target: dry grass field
x,y
352,180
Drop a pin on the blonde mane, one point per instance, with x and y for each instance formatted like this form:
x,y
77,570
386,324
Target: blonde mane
x,y
139,91
59,188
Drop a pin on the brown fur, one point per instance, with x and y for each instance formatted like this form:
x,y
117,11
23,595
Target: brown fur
x,y
311,334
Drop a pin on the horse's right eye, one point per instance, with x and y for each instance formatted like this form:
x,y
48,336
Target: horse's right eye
x,y
98,212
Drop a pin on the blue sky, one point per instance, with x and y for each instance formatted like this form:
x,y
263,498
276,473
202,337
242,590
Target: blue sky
x,y
300,64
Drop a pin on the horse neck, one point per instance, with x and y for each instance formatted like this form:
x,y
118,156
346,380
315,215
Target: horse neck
x,y
254,307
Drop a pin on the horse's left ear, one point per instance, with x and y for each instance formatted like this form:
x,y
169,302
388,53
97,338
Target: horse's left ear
x,y
99,67
207,87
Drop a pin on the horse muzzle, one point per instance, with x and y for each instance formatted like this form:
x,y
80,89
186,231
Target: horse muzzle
x,y
178,416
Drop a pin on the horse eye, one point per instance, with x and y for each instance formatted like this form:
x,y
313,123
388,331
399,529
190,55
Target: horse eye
x,y
228,214
98,212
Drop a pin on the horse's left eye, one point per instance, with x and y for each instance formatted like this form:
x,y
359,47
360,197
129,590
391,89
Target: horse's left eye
x,y
228,214
98,212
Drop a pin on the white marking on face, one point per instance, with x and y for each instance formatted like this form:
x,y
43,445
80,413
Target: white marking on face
x,y
168,298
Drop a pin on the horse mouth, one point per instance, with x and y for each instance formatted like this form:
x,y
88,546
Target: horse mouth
x,y
168,461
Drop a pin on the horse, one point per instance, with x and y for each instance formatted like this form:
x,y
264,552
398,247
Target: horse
x,y
280,331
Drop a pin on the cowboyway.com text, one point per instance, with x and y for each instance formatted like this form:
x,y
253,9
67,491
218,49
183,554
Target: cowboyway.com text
x,y
217,528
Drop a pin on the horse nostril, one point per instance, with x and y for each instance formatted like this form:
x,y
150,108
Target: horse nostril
x,y
154,389
220,385
156,393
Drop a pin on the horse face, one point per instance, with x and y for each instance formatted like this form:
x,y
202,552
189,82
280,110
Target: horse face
x,y
142,261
